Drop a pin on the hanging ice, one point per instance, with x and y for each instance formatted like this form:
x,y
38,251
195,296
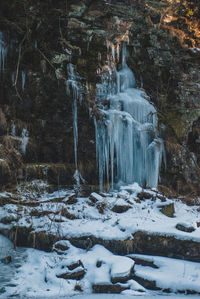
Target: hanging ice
x,y
3,52
74,90
127,146
23,79
24,140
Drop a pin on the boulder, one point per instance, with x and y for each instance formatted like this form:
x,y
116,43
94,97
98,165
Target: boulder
x,y
168,210
74,270
184,227
108,288
76,274
121,269
121,206
61,246
144,195
94,197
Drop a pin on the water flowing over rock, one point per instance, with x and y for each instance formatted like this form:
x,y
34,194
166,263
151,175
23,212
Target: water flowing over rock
x,y
127,143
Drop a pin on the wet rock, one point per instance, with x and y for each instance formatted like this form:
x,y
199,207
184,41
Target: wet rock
x,y
76,274
168,210
143,262
8,219
75,265
72,199
67,214
101,206
184,227
76,24
74,270
108,288
166,246
121,206
147,283
94,197
144,195
122,276
77,10
6,260
61,246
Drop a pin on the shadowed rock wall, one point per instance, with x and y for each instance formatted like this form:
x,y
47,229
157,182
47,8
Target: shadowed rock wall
x,y
43,37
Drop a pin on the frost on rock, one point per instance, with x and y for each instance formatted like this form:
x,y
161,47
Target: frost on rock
x,y
127,144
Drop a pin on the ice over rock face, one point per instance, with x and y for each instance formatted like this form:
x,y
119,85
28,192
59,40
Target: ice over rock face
x,y
127,144
5,246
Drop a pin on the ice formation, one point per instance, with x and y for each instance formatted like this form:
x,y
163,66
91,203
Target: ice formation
x,y
127,144
74,90
3,52
24,140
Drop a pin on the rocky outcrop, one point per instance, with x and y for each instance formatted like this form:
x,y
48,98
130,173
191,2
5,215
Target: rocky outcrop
x,y
41,39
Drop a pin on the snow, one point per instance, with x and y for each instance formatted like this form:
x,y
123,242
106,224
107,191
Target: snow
x,y
195,50
96,196
172,274
142,216
114,296
38,275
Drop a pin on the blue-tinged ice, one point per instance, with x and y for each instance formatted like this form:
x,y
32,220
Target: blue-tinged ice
x,y
24,140
74,90
127,144
23,79
3,52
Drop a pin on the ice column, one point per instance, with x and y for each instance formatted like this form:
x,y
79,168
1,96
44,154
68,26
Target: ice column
x,y
74,90
3,52
127,146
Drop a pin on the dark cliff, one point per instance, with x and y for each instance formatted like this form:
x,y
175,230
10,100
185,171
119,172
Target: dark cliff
x,y
41,37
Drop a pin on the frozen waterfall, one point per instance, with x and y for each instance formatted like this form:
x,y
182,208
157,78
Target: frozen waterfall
x,y
128,148
74,90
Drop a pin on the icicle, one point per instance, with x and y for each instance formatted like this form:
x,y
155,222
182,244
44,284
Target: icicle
x,y
23,79
118,51
74,90
3,52
13,78
24,140
127,146
89,41
13,130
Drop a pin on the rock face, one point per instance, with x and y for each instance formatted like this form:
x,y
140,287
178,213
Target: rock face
x,y
37,43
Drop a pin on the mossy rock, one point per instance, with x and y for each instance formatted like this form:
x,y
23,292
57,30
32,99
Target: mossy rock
x,y
168,210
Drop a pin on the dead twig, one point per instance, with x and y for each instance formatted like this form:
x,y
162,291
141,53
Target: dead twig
x,y
44,56
17,71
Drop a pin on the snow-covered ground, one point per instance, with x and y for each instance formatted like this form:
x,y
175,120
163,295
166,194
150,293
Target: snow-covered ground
x,y
171,274
41,273
54,215
68,270
146,296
